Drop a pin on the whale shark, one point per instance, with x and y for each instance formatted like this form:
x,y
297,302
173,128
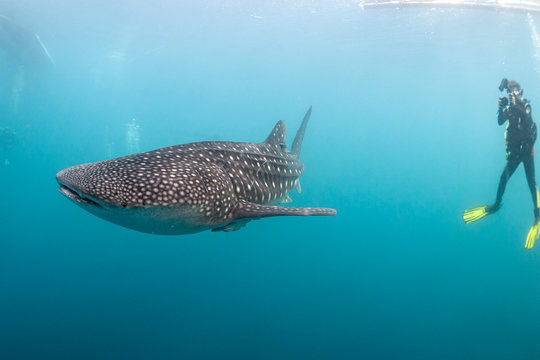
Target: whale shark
x,y
188,188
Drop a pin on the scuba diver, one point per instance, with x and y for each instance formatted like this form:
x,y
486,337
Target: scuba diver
x,y
8,138
520,136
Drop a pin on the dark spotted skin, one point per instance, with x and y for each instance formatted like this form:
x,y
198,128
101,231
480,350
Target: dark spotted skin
x,y
208,175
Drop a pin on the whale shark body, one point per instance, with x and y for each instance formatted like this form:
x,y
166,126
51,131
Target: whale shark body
x,y
183,189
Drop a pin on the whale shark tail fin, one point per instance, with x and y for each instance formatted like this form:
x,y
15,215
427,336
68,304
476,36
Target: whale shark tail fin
x,y
297,143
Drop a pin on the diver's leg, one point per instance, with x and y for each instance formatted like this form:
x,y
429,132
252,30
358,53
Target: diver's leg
x,y
511,166
528,164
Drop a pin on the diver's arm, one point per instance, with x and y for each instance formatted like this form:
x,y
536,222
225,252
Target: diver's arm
x,y
527,111
503,115
533,132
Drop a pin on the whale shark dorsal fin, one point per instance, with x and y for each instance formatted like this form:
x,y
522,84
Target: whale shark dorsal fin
x,y
245,209
277,136
297,143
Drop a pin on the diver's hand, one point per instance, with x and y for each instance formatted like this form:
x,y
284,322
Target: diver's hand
x,y
512,98
503,101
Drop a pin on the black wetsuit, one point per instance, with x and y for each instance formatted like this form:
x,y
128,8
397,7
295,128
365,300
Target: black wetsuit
x,y
520,138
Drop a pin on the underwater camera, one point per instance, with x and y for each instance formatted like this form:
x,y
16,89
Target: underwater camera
x,y
512,94
503,85
503,99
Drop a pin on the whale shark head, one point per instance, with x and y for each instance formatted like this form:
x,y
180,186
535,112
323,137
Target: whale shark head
x,y
151,192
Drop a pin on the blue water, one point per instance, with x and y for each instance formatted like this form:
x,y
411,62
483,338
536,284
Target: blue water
x,y
403,137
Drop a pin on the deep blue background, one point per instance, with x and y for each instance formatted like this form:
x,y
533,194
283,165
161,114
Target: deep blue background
x,y
403,137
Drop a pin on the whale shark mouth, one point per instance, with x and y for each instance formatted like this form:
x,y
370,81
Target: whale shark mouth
x,y
75,196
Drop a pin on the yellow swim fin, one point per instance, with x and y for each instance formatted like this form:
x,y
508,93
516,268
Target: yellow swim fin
x,y
475,214
532,236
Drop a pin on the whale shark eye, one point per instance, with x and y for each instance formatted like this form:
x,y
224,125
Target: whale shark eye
x,y
124,204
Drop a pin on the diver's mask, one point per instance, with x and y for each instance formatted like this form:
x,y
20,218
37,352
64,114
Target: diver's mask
x,y
516,92
515,95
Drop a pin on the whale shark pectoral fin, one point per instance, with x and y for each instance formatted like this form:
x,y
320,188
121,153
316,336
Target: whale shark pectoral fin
x,y
233,226
246,209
